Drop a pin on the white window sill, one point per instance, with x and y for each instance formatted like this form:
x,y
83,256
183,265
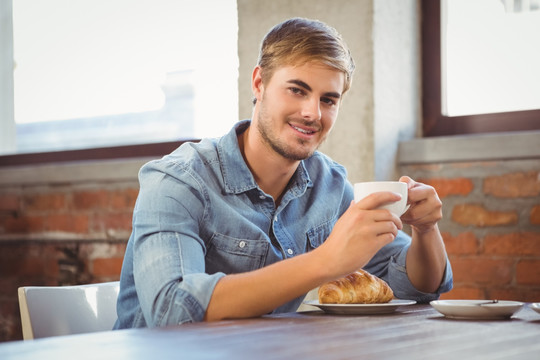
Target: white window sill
x,y
503,146
500,146
72,173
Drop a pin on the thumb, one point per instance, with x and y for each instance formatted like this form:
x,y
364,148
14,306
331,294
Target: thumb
x,y
410,182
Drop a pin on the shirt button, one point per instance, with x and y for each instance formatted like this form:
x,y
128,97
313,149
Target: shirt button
x,y
275,219
242,244
262,197
289,251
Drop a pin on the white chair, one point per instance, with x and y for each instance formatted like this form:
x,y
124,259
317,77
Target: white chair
x,y
64,310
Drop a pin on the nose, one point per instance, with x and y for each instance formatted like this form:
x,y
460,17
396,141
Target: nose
x,y
311,109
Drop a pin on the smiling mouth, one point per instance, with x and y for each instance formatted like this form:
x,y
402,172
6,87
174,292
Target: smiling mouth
x,y
303,131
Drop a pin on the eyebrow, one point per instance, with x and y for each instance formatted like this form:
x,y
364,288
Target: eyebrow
x,y
308,88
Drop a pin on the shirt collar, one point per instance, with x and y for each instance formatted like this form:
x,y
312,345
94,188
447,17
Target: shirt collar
x,y
237,177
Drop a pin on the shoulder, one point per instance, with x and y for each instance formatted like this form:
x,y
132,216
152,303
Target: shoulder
x,y
320,164
187,155
186,176
190,152
190,166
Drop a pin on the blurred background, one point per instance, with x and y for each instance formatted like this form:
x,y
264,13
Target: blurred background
x,y
447,92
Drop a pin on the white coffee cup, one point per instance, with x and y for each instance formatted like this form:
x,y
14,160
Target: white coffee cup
x,y
363,189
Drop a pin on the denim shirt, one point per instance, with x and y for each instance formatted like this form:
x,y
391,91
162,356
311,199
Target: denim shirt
x,y
200,215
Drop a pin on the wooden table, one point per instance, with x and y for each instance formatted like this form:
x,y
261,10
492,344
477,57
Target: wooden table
x,y
412,332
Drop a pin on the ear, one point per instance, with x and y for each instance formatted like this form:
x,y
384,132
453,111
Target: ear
x,y
257,85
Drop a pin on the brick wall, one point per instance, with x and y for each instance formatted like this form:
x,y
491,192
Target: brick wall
x,y
73,233
491,226
60,234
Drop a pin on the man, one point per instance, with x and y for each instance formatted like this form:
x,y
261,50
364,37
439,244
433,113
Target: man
x,y
247,224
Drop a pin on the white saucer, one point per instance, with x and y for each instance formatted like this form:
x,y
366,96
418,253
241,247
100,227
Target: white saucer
x,y
360,309
535,307
477,309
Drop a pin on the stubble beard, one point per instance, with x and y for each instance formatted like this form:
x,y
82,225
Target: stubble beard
x,y
288,151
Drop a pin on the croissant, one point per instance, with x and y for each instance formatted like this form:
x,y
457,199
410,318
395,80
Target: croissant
x,y
359,287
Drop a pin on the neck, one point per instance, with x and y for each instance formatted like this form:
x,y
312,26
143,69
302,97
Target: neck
x,y
271,171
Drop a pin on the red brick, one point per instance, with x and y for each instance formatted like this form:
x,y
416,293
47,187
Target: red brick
x,y
50,263
477,270
40,259
464,292
107,266
45,202
535,215
446,187
29,266
526,294
9,202
477,215
464,243
11,250
113,221
91,199
523,243
528,272
23,224
93,250
124,199
66,222
523,184
10,324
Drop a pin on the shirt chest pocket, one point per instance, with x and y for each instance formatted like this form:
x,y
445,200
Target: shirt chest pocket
x,y
317,235
233,255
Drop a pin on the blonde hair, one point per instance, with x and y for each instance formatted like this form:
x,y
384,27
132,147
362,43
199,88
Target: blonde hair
x,y
297,41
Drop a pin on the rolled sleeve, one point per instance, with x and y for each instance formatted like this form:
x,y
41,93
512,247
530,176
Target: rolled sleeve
x,y
390,265
402,286
170,280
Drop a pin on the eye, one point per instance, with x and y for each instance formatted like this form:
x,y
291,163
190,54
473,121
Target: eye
x,y
328,101
296,91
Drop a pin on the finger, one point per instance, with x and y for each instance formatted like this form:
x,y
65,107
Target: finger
x,y
410,182
416,220
425,223
427,204
387,227
384,215
423,213
420,192
386,238
376,228
378,199
378,215
417,211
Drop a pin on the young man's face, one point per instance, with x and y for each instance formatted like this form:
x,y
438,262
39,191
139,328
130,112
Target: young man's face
x,y
297,107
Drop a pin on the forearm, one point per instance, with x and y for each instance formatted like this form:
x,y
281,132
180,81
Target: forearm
x,y
426,260
259,292
355,238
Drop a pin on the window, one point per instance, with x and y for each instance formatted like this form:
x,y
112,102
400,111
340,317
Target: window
x,y
494,97
109,73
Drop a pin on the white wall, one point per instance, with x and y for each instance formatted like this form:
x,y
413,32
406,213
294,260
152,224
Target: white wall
x,y
351,141
382,105
7,122
397,85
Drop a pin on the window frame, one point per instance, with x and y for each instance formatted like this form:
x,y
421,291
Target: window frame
x,y
102,153
434,123
127,151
